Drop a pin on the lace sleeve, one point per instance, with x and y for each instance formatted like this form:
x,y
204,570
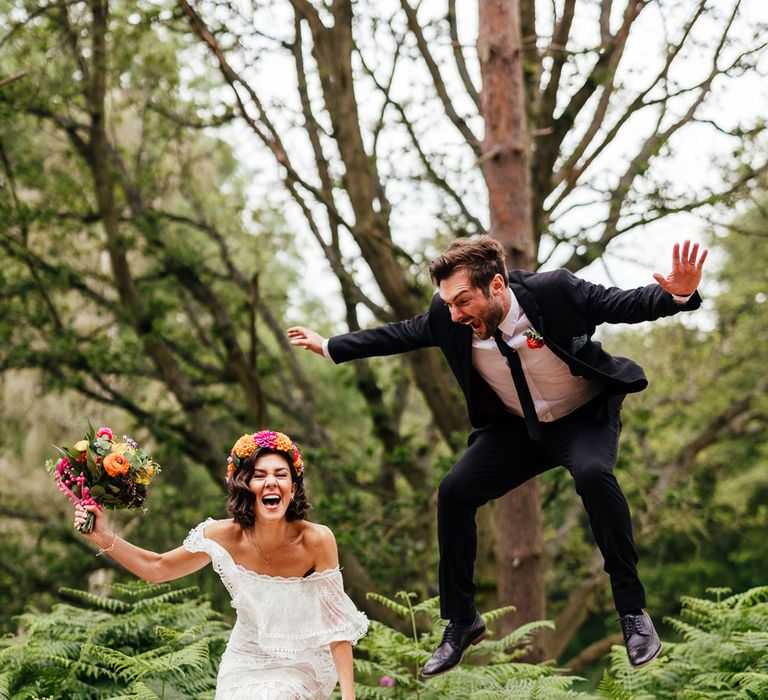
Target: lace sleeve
x,y
300,614
222,562
342,620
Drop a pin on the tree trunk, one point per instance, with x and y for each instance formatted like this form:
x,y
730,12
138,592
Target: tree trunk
x,y
505,168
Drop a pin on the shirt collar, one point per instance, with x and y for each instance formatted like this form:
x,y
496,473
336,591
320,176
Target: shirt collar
x,y
509,322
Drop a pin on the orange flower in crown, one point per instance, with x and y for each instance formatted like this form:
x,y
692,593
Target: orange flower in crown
x,y
264,439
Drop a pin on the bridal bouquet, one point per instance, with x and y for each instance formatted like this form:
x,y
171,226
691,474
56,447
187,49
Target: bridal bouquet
x,y
103,470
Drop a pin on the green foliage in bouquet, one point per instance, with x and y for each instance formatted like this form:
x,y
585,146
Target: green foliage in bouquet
x,y
724,654
393,660
142,641
102,470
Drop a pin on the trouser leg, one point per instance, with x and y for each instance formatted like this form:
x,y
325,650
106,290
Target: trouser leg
x,y
497,460
588,447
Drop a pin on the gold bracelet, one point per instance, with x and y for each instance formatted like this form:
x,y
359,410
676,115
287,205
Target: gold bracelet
x,y
109,547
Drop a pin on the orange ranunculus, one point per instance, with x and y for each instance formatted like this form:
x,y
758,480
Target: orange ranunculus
x,y
115,464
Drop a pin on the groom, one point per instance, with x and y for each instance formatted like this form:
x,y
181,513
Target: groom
x,y
540,393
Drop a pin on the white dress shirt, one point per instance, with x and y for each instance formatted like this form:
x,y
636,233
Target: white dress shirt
x,y
555,391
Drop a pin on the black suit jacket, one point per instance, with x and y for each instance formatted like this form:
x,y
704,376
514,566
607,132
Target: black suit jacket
x,y
563,308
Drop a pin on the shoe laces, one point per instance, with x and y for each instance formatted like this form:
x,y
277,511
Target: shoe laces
x,y
450,633
629,623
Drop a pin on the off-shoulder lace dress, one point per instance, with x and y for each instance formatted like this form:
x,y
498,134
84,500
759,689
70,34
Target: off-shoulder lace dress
x,y
279,647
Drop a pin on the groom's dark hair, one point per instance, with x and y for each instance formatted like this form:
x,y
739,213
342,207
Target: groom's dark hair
x,y
482,258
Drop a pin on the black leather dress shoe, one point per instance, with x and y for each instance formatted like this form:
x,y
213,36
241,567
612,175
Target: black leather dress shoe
x,y
640,638
456,640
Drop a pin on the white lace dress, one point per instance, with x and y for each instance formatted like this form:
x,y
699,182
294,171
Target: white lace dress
x,y
279,647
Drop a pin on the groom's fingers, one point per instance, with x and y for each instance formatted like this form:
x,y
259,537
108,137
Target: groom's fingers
x,y
675,254
298,333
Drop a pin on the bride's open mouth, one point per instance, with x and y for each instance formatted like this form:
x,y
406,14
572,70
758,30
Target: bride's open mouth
x,y
271,501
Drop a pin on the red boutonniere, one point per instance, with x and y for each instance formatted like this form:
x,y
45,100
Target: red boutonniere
x,y
534,339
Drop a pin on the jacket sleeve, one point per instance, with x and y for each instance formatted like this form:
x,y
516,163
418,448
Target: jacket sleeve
x,y
390,339
613,305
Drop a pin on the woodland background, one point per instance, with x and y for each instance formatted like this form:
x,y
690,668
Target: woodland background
x,y
181,182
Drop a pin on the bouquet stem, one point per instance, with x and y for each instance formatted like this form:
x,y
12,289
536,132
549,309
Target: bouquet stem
x,y
87,526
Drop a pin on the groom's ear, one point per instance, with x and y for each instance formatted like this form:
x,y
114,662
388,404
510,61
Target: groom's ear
x,y
498,284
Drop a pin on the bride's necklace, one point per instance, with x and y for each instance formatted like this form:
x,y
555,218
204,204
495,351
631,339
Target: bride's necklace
x,y
266,558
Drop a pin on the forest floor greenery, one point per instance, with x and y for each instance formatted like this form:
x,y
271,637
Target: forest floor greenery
x,y
140,641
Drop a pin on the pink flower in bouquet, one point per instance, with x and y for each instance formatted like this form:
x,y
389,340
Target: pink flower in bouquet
x,y
104,432
387,682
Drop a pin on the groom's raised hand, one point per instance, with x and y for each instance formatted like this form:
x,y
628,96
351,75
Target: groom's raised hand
x,y
301,337
686,270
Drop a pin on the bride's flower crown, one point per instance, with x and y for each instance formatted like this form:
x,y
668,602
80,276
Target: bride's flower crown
x,y
269,439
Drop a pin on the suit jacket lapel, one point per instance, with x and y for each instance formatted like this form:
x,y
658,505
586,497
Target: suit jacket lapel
x,y
528,304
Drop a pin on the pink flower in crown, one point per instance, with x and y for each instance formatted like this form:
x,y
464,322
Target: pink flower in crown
x,y
386,681
104,432
298,462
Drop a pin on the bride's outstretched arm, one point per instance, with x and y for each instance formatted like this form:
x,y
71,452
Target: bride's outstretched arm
x,y
150,566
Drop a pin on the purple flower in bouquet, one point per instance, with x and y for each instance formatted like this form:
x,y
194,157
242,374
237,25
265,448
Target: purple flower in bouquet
x,y
103,471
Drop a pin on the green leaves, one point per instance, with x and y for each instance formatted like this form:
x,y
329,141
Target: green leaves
x,y
143,641
724,654
489,669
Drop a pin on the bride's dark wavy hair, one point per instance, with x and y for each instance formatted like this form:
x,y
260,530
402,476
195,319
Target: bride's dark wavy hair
x,y
241,501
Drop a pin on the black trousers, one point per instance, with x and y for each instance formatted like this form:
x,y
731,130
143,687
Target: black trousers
x,y
501,457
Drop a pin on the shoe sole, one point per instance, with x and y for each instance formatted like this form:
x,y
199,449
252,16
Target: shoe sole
x,y
475,641
653,658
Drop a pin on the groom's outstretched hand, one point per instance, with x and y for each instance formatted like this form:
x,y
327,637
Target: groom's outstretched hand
x,y
305,338
686,270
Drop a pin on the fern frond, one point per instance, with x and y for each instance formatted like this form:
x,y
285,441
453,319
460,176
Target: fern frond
x,y
138,691
520,636
135,590
609,687
6,683
172,596
429,605
398,608
492,615
95,601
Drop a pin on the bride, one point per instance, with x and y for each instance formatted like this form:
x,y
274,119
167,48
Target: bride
x,y
295,625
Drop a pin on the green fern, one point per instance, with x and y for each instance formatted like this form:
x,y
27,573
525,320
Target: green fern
x,y
489,669
139,641
724,653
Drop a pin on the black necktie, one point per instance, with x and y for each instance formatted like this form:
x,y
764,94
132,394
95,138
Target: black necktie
x,y
521,386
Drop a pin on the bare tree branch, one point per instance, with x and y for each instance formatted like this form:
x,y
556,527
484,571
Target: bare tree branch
x,y
413,24
458,54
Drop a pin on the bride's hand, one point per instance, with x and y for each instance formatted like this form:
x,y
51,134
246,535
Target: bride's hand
x,y
101,533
